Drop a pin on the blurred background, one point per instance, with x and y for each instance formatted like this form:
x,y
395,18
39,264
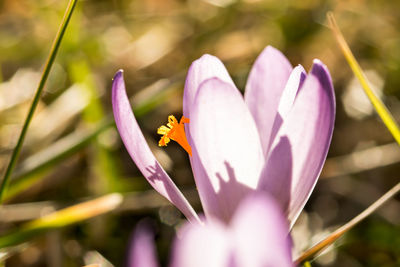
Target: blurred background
x,y
73,153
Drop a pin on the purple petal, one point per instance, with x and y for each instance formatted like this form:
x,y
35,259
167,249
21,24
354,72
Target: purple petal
x,y
227,155
142,252
293,85
202,69
276,176
302,143
279,166
140,152
264,88
201,246
257,236
295,81
261,234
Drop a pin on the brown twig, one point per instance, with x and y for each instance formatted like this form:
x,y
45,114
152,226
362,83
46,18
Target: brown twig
x,y
342,230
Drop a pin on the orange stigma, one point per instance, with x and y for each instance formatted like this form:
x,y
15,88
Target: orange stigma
x,y
176,132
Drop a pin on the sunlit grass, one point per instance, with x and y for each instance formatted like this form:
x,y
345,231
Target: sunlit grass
x,y
62,218
390,123
42,83
379,106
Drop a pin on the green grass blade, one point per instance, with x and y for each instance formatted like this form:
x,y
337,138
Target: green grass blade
x,y
380,108
45,74
34,168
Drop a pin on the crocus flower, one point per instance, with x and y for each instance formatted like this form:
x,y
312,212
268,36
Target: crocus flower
x,y
274,139
257,236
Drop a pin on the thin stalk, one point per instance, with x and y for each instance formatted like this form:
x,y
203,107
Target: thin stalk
x,y
31,172
45,74
345,228
380,108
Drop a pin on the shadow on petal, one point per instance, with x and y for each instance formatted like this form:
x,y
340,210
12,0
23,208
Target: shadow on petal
x,y
140,152
276,177
230,193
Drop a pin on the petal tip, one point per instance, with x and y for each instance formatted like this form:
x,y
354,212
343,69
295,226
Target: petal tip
x,y
118,82
119,73
317,61
321,72
270,48
272,55
299,68
203,63
273,51
318,65
206,58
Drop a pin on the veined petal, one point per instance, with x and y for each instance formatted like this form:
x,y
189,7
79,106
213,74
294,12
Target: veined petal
x,y
261,234
202,69
264,88
140,152
227,155
142,252
202,245
307,130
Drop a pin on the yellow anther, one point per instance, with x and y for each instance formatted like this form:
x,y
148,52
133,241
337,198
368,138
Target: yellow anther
x,y
163,130
176,132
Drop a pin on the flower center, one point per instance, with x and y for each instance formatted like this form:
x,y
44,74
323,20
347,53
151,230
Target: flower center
x,y
176,132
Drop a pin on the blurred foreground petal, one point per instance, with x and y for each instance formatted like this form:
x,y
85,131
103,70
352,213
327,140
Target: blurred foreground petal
x,y
142,252
257,237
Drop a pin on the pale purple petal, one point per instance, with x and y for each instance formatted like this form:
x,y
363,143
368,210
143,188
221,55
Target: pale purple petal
x,y
261,234
302,143
264,88
257,236
278,169
142,252
276,176
140,152
293,85
225,146
295,81
202,69
202,246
